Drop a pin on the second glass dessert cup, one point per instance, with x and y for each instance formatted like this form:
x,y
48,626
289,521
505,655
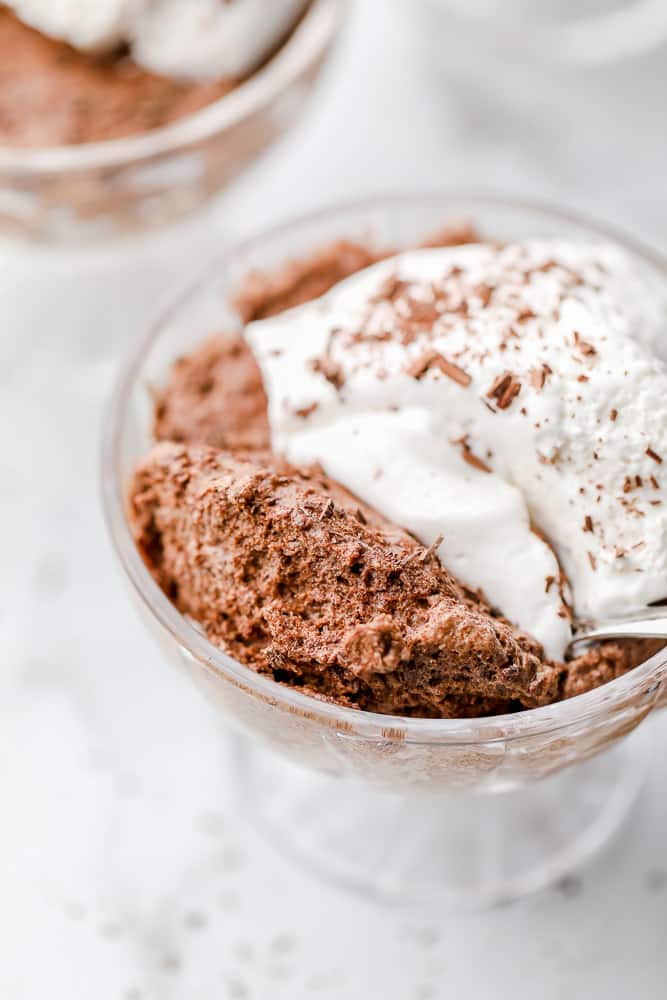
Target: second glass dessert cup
x,y
99,190
465,813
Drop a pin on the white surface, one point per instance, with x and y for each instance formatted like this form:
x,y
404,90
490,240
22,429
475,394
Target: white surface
x,y
123,875
397,441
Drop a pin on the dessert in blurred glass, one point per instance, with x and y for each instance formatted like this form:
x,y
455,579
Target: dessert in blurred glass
x,y
73,72
397,494
126,114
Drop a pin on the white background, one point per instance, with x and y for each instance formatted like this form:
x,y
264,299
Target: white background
x,y
124,874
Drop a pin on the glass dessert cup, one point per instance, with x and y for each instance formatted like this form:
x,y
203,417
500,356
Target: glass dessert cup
x,y
465,813
103,189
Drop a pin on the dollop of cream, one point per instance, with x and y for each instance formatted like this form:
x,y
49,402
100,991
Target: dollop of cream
x,y
508,400
198,39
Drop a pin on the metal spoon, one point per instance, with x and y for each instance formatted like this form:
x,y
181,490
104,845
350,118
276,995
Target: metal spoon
x,y
639,626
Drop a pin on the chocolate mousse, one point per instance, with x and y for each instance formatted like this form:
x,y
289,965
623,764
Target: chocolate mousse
x,y
293,576
52,94
296,579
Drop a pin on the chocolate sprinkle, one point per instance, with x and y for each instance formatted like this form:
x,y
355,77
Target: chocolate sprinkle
x,y
330,369
433,359
505,388
538,376
472,459
583,345
484,292
305,411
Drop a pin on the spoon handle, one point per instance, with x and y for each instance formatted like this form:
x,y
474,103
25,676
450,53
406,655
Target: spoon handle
x,y
639,627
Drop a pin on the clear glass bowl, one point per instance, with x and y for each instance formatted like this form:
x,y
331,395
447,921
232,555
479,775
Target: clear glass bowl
x,y
468,812
97,190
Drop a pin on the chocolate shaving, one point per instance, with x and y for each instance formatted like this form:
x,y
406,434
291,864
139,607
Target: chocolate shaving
x,y
421,313
632,483
588,523
328,511
418,368
305,411
433,548
484,292
469,456
391,289
432,359
538,376
593,561
654,455
613,414
474,460
566,611
583,345
505,388
423,555
330,369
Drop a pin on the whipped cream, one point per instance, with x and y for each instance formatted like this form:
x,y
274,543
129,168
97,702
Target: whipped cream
x,y
179,38
506,400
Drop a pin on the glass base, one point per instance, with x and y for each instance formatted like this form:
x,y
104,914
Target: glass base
x,y
461,851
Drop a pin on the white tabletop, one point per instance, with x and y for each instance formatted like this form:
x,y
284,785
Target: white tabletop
x,y
124,873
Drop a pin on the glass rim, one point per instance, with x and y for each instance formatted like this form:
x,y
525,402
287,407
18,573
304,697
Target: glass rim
x,y
467,731
306,44
592,39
